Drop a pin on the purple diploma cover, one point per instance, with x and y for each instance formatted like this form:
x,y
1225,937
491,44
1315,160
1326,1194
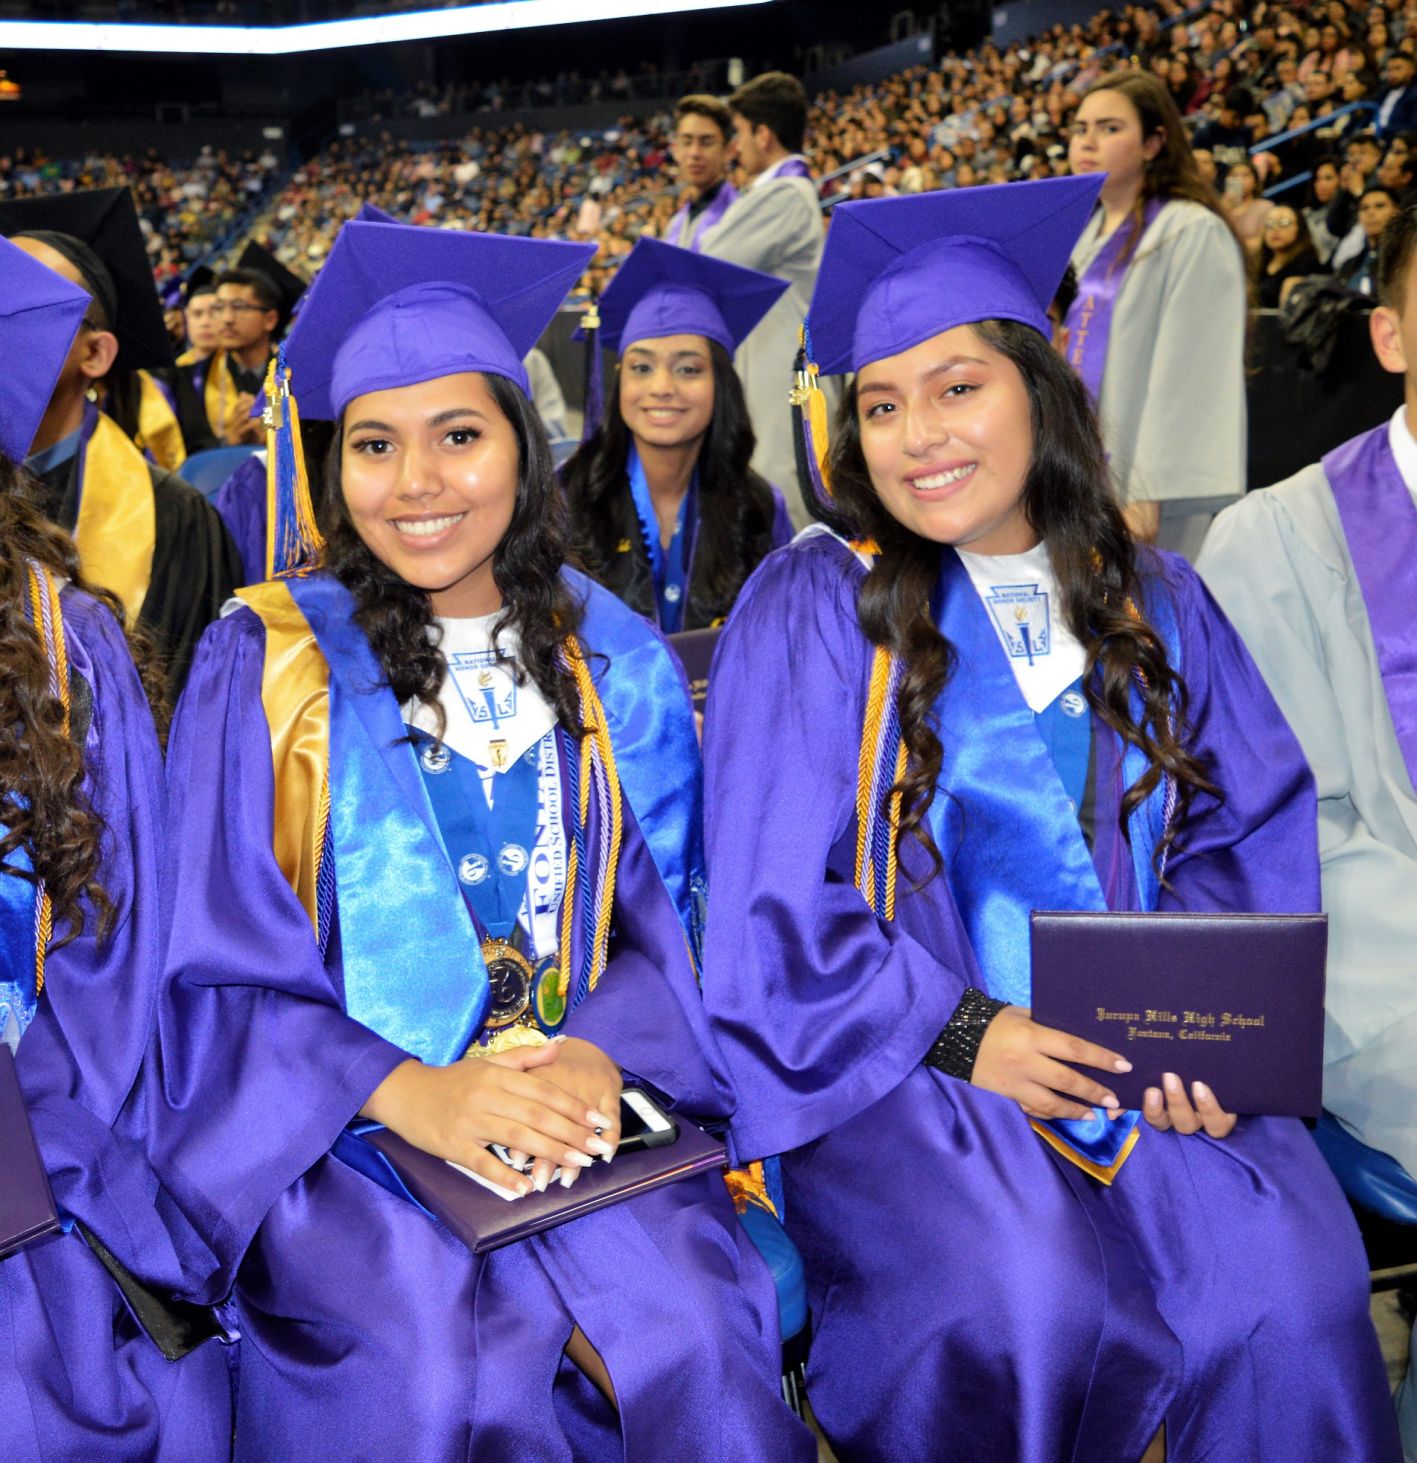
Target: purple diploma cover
x,y
695,651
484,1221
26,1205
1232,1000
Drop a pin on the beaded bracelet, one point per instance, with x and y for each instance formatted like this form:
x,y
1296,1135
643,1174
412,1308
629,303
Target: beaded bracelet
x,y
957,1045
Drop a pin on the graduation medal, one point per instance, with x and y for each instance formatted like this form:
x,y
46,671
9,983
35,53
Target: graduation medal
x,y
510,978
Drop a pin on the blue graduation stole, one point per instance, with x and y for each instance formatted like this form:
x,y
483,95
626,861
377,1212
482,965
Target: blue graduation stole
x,y
670,567
25,921
392,867
19,996
1011,842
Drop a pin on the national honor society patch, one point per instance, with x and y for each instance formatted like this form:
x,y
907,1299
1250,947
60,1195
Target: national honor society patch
x,y
1021,613
487,689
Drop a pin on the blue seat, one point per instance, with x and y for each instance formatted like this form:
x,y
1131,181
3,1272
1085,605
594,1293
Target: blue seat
x,y
563,449
208,471
780,1254
1373,1180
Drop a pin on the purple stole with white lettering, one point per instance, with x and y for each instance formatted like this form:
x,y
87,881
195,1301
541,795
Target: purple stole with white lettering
x,y
679,224
1379,521
1089,321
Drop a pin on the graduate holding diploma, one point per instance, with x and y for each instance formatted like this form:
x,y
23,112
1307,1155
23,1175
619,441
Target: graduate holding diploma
x,y
985,700
449,886
81,804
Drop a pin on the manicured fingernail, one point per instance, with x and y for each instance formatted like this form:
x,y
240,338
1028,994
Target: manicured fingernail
x,y
1171,1082
1121,1065
1151,1097
581,1160
1202,1092
523,1189
1110,1100
598,1120
568,1177
600,1146
541,1180
518,1158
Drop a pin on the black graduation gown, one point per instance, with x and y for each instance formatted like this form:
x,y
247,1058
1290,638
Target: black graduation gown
x,y
196,568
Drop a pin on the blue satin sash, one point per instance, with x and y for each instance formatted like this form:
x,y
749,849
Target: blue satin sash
x,y
428,995
394,874
1003,823
18,997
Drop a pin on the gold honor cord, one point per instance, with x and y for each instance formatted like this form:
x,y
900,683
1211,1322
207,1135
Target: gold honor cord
x,y
158,429
49,627
117,524
595,748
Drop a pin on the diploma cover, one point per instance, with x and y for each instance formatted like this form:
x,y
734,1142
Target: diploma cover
x,y
26,1205
1232,1000
694,649
484,1221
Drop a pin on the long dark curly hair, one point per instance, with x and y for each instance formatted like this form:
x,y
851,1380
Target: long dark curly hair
x,y
526,566
735,504
1068,502
43,805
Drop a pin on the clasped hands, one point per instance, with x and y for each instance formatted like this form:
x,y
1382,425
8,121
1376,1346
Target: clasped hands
x,y
1024,1060
557,1105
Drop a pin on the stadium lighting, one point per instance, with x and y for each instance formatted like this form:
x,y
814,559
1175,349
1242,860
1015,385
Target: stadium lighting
x,y
364,30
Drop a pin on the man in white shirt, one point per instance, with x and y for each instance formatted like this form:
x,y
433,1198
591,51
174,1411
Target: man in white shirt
x,y
774,225
1319,574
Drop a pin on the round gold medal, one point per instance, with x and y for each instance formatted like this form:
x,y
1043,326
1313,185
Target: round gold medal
x,y
509,975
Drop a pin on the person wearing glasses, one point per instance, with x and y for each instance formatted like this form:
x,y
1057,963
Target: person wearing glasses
x,y
247,312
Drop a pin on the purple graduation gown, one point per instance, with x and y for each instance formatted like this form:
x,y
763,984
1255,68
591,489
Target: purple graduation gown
x,y
241,501
79,1379
973,1295
365,1324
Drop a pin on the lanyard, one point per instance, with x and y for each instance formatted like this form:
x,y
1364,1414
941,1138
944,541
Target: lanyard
x,y
493,846
670,566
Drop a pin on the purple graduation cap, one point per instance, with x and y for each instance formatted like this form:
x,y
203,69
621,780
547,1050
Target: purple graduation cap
x,y
396,304
370,213
40,314
662,290
897,271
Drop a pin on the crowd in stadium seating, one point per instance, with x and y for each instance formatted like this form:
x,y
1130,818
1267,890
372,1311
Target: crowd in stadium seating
x,y
185,210
1242,75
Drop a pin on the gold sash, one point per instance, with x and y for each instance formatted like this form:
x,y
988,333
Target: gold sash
x,y
117,523
219,397
158,430
295,693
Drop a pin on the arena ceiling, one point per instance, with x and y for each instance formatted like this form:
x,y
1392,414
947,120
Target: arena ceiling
x,y
286,29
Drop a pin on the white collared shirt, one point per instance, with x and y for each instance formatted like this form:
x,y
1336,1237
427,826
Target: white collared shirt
x,y
1404,449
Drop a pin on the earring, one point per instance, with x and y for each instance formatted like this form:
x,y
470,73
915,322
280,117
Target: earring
x,y
91,394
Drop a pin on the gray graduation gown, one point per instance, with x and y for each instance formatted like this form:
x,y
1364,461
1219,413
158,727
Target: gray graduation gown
x,y
1278,563
775,227
1173,391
